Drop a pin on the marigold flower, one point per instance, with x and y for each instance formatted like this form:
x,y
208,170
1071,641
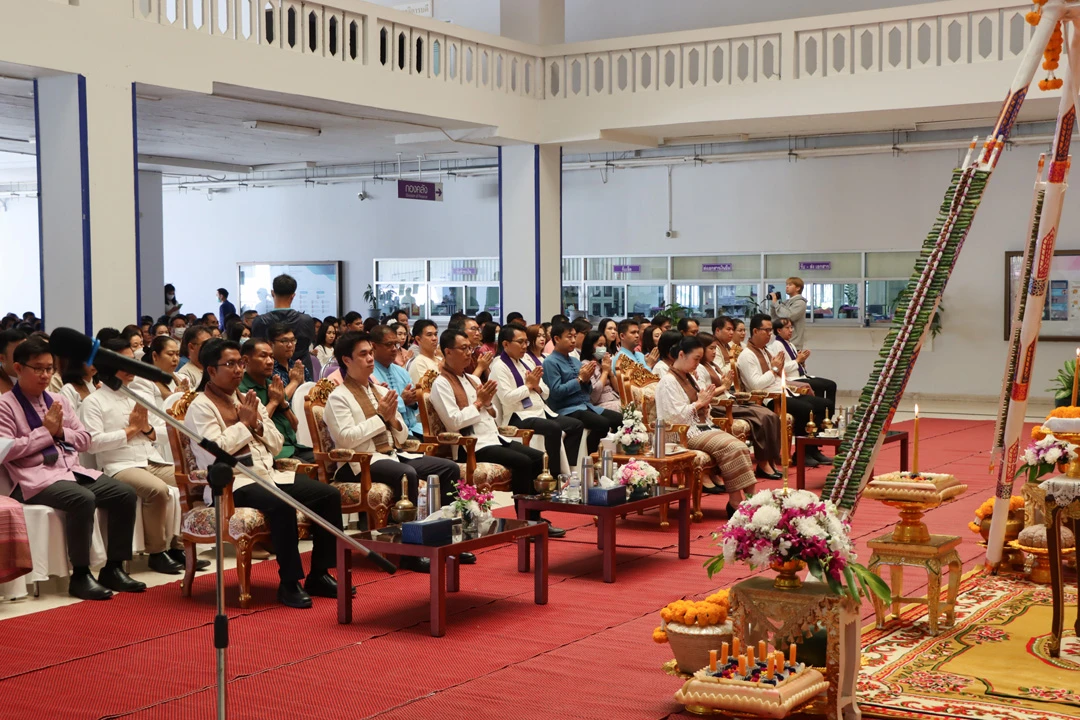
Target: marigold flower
x,y
659,636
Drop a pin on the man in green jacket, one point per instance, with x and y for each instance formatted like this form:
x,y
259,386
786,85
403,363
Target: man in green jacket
x,y
259,376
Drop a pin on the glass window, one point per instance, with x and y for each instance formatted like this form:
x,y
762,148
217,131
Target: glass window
x,y
445,300
626,268
737,301
810,266
400,270
890,265
571,268
571,299
645,299
881,299
483,297
699,300
465,270
607,301
832,301
405,296
715,267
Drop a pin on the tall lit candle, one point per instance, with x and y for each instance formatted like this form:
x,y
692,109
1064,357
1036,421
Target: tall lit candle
x,y
915,454
1076,376
723,653
712,661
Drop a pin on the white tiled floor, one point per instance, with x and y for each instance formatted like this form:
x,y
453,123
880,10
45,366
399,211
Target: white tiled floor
x,y
54,592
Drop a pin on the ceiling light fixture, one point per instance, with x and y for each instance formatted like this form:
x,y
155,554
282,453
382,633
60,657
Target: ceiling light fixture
x,y
14,139
282,128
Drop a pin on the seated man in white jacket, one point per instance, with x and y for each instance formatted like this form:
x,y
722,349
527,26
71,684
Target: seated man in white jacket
x,y
520,396
122,436
242,427
363,417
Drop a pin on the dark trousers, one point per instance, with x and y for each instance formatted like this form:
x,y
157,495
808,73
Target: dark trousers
x,y
800,407
825,389
598,425
552,429
389,472
304,455
323,500
79,500
524,464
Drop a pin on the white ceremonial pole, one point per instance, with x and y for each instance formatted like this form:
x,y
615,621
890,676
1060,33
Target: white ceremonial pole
x,y
1036,291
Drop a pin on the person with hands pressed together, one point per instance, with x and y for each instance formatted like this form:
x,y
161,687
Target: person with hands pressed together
x,y
385,345
426,334
479,361
464,406
242,427
259,377
43,463
293,374
521,395
570,387
795,365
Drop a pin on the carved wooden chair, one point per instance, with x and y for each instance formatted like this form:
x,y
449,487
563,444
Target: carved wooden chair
x,y
247,526
481,474
372,499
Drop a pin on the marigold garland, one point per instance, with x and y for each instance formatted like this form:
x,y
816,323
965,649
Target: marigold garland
x,y
986,510
1051,56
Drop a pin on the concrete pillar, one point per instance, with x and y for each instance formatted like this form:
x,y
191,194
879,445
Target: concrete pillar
x,y
541,22
530,230
86,165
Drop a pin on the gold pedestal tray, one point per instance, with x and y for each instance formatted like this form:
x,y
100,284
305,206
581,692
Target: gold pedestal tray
x,y
1040,571
911,528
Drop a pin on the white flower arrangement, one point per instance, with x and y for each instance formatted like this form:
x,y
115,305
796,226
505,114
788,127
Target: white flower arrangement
x,y
1042,456
637,473
633,431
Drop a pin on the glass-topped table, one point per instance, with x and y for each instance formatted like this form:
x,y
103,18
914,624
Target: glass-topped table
x,y
445,576
606,517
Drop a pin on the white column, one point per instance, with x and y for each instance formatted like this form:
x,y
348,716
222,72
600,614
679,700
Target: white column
x,y
530,230
151,245
86,162
541,22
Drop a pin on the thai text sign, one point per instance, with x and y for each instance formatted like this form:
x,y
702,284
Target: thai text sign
x,y
818,265
418,190
716,267
627,268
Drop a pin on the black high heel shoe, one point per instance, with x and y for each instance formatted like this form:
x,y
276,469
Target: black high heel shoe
x,y
762,475
713,490
730,509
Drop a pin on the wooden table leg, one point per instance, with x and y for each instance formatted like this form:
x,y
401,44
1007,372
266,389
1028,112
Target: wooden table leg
x,y
540,590
1057,585
665,481
453,573
523,544
933,596
600,530
903,453
609,549
896,573
800,462
684,528
699,478
344,583
1076,533
956,571
438,597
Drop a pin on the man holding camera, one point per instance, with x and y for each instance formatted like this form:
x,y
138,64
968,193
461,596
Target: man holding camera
x,y
794,309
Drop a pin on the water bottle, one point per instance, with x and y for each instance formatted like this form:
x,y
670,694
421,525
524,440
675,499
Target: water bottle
x,y
587,474
607,462
434,495
659,440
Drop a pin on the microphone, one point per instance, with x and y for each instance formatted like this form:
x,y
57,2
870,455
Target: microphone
x,y
72,344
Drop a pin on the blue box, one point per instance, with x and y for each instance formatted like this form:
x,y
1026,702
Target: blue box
x,y
607,496
436,532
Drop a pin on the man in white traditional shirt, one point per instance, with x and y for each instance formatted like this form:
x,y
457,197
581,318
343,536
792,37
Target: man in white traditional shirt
x,y
760,372
793,308
241,426
521,397
426,334
464,405
795,365
122,437
364,417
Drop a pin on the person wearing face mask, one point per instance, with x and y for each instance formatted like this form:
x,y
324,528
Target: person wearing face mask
x,y
177,326
595,349
172,308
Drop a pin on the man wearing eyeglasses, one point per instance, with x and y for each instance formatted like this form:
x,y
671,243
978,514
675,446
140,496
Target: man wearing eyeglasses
x,y
270,389
384,347
44,464
292,373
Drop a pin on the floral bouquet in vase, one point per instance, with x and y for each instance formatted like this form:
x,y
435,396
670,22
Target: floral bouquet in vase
x,y
633,432
787,529
1042,456
470,503
637,476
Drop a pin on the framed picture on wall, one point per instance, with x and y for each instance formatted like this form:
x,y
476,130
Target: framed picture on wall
x,y
318,286
1061,313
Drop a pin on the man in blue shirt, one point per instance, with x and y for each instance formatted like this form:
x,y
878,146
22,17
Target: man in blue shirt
x,y
226,309
384,347
569,385
282,343
630,339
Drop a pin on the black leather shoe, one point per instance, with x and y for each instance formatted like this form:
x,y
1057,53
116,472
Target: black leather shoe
x,y
762,475
116,579
178,555
822,458
466,558
554,532
416,564
85,587
162,563
323,585
714,490
292,595
809,461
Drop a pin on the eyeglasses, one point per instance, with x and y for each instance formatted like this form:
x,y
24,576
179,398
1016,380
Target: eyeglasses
x,y
521,341
286,341
231,364
47,370
391,345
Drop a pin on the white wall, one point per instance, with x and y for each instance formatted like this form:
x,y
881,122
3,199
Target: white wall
x,y
204,240
20,289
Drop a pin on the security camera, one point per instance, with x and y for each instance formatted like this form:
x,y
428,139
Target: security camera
x,y
671,234
361,196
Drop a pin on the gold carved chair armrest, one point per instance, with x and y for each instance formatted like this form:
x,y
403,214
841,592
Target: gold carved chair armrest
x,y
344,455
311,470
411,445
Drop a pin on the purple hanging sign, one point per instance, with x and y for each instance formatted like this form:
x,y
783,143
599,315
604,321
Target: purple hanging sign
x,y
627,268
463,271
820,265
716,267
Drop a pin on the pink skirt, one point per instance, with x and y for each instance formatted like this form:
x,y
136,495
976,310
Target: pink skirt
x,y
14,543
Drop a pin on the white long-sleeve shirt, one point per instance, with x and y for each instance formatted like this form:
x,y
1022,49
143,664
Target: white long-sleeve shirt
x,y
204,418
352,430
673,406
753,379
469,420
509,397
661,368
105,415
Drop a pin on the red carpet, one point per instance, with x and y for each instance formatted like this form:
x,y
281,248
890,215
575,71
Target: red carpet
x,y
586,654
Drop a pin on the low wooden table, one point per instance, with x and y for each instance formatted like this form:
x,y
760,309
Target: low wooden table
x,y
444,562
606,517
675,469
933,556
1062,506
802,442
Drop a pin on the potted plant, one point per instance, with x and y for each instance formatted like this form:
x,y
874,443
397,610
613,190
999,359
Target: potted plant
x,y
470,504
694,628
373,300
1061,384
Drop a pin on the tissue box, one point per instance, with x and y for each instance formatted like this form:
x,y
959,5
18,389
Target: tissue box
x,y
435,532
607,496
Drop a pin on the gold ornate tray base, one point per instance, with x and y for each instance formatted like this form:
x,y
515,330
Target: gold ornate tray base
x,y
1040,571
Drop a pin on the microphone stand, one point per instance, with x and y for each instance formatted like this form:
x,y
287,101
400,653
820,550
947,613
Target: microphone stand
x,y
219,476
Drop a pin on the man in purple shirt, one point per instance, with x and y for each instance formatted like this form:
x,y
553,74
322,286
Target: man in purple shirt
x,y
44,465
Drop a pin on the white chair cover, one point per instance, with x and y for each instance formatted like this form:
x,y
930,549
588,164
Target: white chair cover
x,y
303,432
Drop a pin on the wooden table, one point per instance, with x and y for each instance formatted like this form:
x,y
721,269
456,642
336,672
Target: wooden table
x,y
606,517
675,468
762,612
803,441
1062,505
444,562
939,552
